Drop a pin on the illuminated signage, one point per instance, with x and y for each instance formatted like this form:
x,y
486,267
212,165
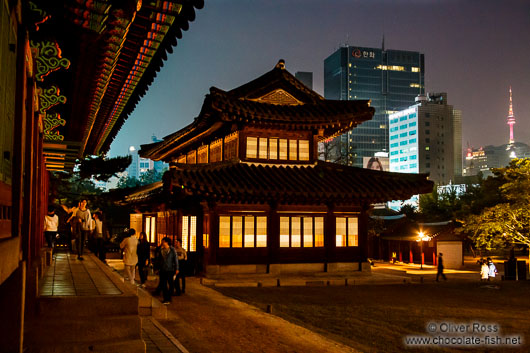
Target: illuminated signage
x,y
358,53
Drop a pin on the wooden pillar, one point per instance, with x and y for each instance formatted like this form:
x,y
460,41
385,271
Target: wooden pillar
x,y
214,234
411,258
363,234
329,235
273,234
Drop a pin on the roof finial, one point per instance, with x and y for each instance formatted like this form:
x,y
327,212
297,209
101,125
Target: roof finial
x,y
281,64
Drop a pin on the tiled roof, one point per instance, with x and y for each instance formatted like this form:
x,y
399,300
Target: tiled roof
x,y
332,117
321,114
314,184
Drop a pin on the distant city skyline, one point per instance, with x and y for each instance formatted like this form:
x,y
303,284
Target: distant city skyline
x,y
474,51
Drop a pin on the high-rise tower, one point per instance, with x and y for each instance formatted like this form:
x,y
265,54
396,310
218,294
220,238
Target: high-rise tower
x,y
511,118
391,79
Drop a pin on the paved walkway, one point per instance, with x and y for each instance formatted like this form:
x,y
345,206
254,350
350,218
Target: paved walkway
x,y
68,276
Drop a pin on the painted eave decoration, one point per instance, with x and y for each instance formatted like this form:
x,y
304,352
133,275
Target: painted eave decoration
x,y
92,63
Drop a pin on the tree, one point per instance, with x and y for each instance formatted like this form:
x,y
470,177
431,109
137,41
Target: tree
x,y
101,168
128,182
508,222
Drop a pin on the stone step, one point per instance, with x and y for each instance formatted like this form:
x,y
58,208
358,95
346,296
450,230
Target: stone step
x,y
130,346
84,306
76,331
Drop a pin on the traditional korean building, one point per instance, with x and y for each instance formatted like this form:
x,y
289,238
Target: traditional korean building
x,y
247,193
71,74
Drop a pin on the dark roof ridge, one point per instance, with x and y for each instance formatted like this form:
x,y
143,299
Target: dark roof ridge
x,y
277,78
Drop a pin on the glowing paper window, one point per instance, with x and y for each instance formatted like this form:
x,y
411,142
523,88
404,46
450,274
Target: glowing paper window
x,y
283,149
293,150
262,148
273,148
182,159
191,157
347,233
202,154
308,232
295,232
304,150
216,151
340,233
224,232
319,231
261,232
237,232
185,232
189,233
353,231
249,231
230,146
252,147
284,232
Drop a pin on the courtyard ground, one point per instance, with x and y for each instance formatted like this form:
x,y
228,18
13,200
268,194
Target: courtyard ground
x,y
377,318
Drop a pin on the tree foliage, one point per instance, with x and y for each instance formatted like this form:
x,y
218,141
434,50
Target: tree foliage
x,y
149,177
101,168
507,220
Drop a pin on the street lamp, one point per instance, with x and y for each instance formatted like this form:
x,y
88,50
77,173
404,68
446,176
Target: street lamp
x,y
422,237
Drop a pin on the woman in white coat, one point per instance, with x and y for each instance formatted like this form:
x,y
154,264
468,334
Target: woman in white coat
x,y
130,258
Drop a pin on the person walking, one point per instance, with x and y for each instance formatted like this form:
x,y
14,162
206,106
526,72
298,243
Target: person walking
x,y
130,258
484,271
144,253
492,270
51,224
168,265
182,256
83,213
440,268
98,236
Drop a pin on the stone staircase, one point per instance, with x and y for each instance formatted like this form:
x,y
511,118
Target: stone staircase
x,y
86,309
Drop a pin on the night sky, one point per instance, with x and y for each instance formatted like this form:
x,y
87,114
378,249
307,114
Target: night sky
x,y
474,50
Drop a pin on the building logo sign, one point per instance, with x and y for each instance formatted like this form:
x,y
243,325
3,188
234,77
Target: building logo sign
x,y
358,53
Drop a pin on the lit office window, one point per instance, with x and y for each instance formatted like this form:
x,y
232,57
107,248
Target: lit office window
x,y
415,69
304,150
252,147
283,149
347,231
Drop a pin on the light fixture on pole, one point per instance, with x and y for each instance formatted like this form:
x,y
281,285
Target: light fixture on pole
x,y
422,237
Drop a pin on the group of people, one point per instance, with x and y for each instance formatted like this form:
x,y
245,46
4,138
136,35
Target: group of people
x,y
83,227
168,262
488,271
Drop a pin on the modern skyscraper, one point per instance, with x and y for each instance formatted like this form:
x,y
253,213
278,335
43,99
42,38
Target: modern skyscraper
x,y
427,138
391,79
511,118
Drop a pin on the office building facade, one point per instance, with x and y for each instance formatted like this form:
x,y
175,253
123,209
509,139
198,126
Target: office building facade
x,y
427,138
391,79
305,77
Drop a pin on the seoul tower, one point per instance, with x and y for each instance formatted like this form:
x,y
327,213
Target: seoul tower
x,y
511,118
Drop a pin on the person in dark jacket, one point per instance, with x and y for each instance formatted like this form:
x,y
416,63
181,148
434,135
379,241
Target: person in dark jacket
x,y
144,253
440,268
168,267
